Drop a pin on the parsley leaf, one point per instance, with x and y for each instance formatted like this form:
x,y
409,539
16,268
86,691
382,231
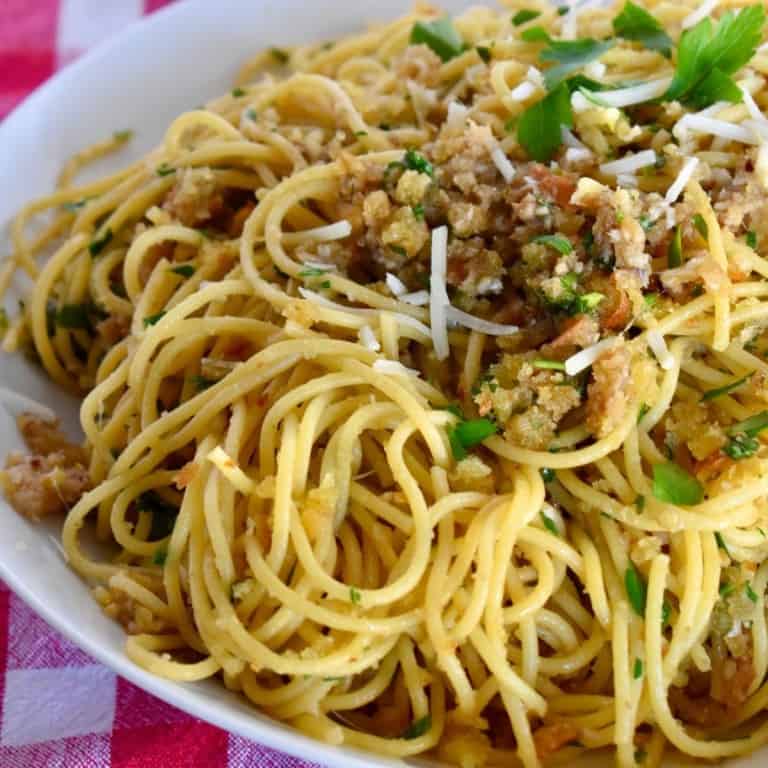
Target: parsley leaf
x,y
440,35
467,434
635,23
751,594
416,162
636,589
672,484
752,239
538,129
707,55
525,15
559,242
567,55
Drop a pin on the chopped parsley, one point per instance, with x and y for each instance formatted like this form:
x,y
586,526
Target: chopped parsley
x,y
525,15
711,394
484,52
313,272
440,35
701,225
160,556
469,433
416,162
675,249
666,612
636,589
567,55
672,484
359,134
164,170
185,270
721,543
707,56
417,728
741,446
637,669
549,524
238,93
354,596
752,239
538,128
153,319
635,23
640,503
547,474
100,242
73,316
726,589
559,242
418,212
751,594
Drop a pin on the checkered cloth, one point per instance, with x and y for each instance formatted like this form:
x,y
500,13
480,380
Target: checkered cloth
x,y
58,707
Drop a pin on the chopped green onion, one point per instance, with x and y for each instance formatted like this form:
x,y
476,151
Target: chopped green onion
x,y
361,133
666,612
672,484
636,589
440,35
711,394
751,594
418,211
721,543
313,272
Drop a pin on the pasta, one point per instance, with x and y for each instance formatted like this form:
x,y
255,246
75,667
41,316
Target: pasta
x,y
424,384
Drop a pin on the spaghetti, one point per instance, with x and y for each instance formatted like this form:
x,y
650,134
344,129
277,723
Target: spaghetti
x,y
424,385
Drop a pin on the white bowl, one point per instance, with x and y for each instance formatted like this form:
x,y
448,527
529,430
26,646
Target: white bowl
x,y
168,63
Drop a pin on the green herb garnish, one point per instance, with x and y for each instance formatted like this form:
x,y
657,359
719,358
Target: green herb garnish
x,y
547,474
752,239
313,272
559,242
741,446
640,503
185,270
567,55
153,319
637,669
160,556
538,128
238,93
164,170
73,316
440,35
701,225
707,55
122,135
417,728
752,426
100,242
751,594
636,589
418,212
354,596
469,433
711,394
484,53
675,249
726,590
635,23
549,524
551,365
721,543
279,55
525,15
416,162
672,484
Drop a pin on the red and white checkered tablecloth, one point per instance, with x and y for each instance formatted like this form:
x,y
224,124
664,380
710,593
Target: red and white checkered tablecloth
x,y
58,707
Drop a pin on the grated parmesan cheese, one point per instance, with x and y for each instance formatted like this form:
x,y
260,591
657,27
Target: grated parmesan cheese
x,y
587,356
659,348
704,10
629,163
417,298
679,184
393,368
459,317
438,298
368,338
396,285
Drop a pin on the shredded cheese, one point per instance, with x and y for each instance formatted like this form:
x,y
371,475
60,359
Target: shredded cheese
x,y
713,127
393,368
679,184
629,163
693,18
417,298
368,338
336,231
634,94
438,296
502,163
587,356
459,317
396,285
659,348
229,468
